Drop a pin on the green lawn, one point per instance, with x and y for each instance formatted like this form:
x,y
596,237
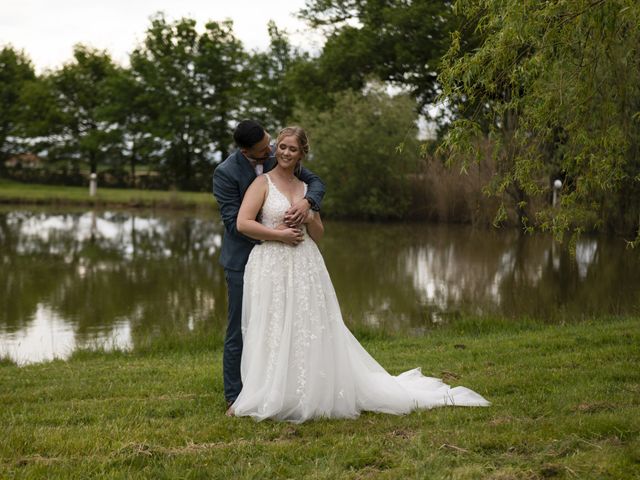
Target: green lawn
x,y
566,404
23,193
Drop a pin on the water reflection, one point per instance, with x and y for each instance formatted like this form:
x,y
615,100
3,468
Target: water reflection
x,y
103,278
114,279
50,336
406,277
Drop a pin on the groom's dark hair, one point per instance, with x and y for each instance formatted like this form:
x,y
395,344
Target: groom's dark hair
x,y
248,133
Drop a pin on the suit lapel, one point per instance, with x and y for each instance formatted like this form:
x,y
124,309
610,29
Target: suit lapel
x,y
245,172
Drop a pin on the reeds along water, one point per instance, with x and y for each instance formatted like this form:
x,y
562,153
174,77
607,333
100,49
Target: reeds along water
x,y
445,194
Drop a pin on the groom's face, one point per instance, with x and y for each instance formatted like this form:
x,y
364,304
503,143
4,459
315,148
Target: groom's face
x,y
261,151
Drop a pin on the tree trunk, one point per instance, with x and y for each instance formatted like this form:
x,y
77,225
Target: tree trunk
x,y
187,166
132,160
92,161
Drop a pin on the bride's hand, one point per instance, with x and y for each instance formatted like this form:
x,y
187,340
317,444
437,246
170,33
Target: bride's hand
x,y
290,236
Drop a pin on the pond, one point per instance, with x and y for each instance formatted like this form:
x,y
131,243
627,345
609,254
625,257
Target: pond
x,y
112,279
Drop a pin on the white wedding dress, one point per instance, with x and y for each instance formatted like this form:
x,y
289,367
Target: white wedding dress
x,y
299,360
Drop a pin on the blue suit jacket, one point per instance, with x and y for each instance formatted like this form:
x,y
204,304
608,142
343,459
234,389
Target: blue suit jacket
x,y
231,179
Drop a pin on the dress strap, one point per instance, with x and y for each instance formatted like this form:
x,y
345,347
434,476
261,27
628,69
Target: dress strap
x,y
270,185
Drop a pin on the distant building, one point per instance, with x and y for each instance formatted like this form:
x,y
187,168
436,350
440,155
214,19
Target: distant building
x,y
24,160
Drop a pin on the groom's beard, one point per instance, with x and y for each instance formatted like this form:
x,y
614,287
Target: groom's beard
x,y
264,159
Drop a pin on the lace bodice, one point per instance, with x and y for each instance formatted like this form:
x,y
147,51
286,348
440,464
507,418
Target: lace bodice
x,y
275,206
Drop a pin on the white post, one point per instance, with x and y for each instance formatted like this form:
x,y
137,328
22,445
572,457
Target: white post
x,y
93,185
557,185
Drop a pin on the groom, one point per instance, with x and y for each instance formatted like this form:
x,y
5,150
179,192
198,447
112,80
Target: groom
x,y
230,182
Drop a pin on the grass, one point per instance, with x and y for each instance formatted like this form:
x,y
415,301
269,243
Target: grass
x,y
23,193
566,404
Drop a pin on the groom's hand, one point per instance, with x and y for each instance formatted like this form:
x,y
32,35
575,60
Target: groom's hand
x,y
297,213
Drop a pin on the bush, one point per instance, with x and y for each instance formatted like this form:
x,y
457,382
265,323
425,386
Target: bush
x,y
364,148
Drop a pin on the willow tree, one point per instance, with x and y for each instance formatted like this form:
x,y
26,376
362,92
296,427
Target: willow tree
x,y
556,86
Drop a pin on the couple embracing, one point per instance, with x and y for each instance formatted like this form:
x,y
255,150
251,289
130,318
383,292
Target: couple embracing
x,y
287,353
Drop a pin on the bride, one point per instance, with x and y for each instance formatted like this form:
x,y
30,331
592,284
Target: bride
x,y
299,360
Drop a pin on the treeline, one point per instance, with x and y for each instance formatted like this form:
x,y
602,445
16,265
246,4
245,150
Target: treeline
x,y
529,92
169,112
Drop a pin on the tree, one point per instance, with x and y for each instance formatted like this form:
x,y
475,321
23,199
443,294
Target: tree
x,y
16,71
223,65
363,149
191,83
395,40
79,131
129,109
338,68
270,95
559,80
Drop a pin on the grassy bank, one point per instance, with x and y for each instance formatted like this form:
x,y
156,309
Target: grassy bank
x,y
566,404
23,193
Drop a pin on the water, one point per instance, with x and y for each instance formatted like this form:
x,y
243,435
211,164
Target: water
x,y
78,279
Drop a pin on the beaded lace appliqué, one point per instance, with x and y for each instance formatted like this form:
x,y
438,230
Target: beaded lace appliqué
x,y
299,262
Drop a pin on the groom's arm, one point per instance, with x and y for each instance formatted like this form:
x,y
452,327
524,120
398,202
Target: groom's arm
x,y
229,200
312,200
315,188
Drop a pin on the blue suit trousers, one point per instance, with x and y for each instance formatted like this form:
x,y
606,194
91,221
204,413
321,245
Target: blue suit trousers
x,y
233,341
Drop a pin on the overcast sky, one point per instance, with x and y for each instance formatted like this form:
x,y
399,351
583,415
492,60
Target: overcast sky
x,y
47,29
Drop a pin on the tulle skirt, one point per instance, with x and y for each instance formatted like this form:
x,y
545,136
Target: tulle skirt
x,y
300,361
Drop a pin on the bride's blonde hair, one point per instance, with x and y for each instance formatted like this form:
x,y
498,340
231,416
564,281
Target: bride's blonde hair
x,y
301,137
299,133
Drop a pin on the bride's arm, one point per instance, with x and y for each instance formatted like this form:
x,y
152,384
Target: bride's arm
x,y
314,225
251,204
